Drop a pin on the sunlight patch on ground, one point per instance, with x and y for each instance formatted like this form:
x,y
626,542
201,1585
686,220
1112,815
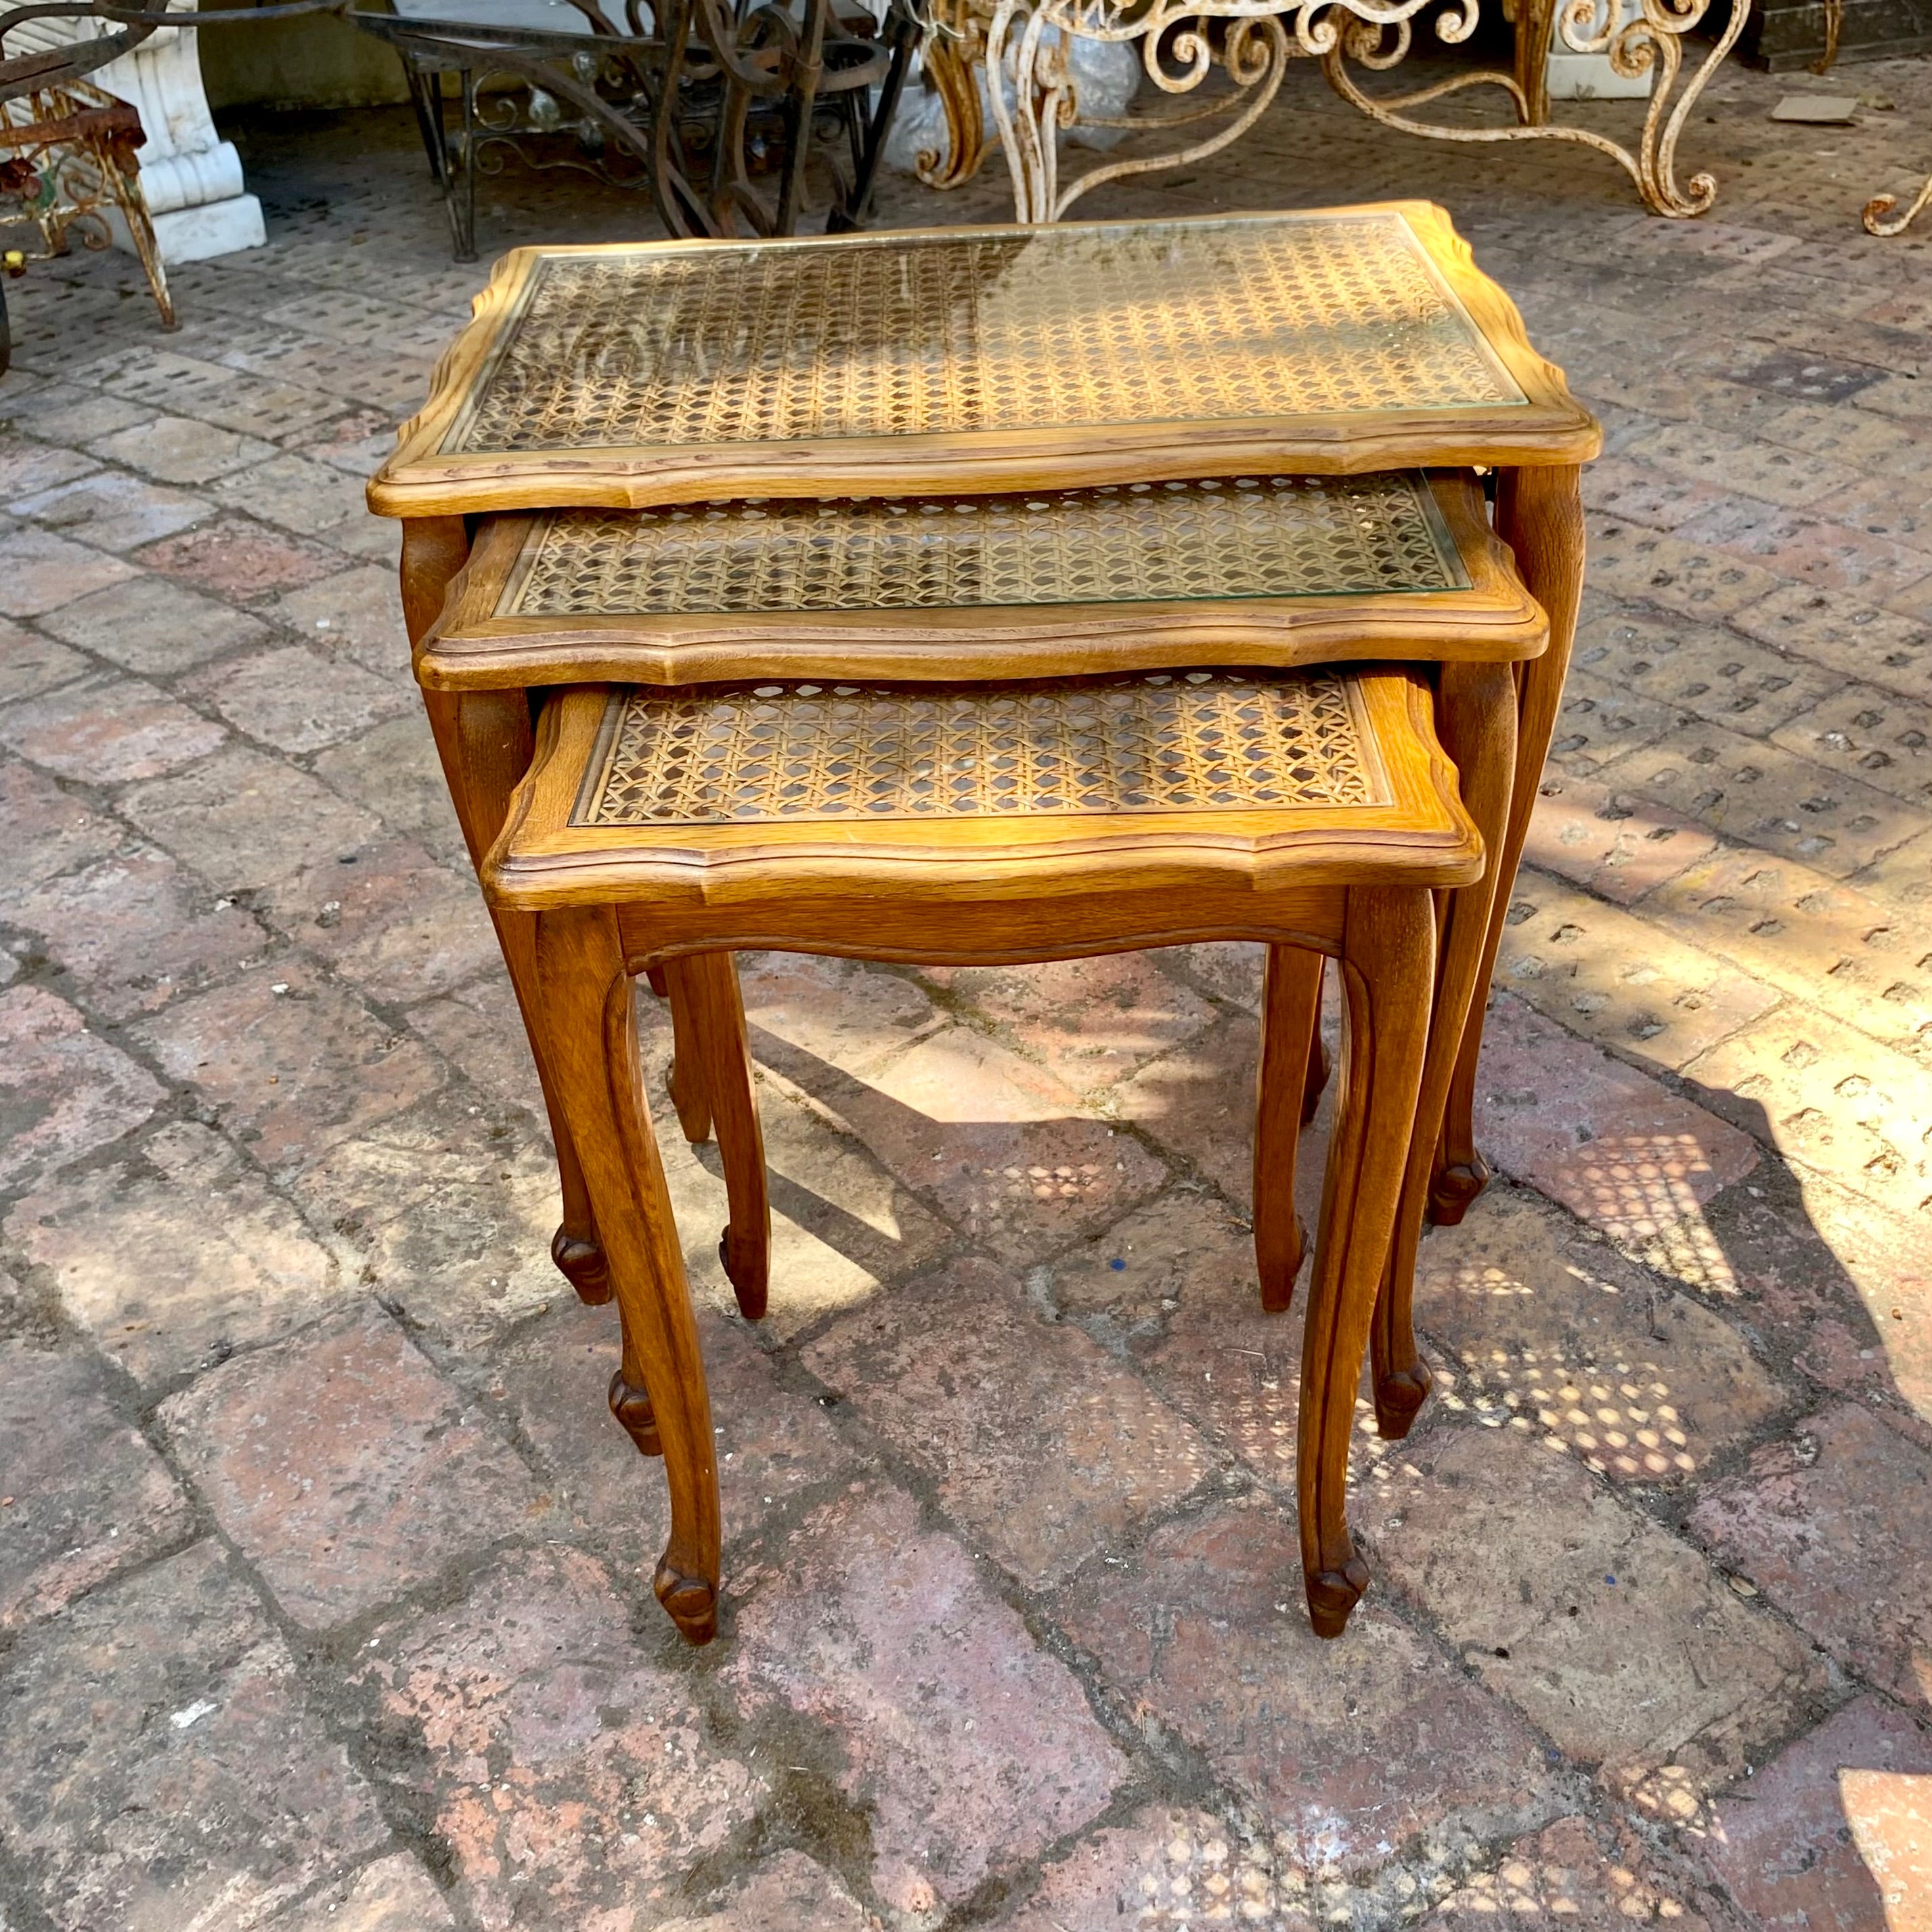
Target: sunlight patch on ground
x,y
1639,1184
1618,1417
1890,1814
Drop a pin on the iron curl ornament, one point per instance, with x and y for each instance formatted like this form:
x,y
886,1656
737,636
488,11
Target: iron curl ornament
x,y
1019,47
1033,93
1879,208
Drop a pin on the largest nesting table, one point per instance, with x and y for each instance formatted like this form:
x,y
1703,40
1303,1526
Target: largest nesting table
x,y
947,362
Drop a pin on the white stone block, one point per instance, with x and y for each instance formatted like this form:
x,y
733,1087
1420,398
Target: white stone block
x,y
197,234
1575,77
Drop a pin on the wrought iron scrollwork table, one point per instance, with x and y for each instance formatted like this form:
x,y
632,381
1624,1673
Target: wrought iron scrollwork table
x,y
1880,219
1183,44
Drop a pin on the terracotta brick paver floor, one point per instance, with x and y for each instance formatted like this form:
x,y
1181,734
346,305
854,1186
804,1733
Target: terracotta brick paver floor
x,y
324,1595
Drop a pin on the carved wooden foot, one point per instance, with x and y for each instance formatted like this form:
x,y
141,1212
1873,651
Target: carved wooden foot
x,y
632,1408
580,1260
1278,1272
691,1602
1452,1189
1398,1397
1334,1594
748,1267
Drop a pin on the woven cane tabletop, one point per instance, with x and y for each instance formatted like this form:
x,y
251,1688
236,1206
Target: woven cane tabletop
x,y
827,812
619,376
1267,570
1166,742
1244,537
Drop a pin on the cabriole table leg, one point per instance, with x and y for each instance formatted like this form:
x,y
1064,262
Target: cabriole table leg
x,y
590,1035
1388,967
484,740
1290,1027
1476,719
704,988
1540,515
484,752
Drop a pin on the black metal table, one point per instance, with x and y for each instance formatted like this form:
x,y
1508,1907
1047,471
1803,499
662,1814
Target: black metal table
x,y
692,101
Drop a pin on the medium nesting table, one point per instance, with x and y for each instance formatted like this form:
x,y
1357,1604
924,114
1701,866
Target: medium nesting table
x,y
1244,570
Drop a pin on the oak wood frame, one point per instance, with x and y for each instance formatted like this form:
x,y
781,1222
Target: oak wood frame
x,y
1355,883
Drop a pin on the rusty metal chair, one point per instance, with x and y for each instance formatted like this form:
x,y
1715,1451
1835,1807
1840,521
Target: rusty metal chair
x,y
67,156
68,147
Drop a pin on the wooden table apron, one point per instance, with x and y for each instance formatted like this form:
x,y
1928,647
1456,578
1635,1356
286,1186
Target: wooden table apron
x,y
1536,444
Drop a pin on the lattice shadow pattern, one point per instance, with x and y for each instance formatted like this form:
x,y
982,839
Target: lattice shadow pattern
x,y
896,335
1250,537
1170,742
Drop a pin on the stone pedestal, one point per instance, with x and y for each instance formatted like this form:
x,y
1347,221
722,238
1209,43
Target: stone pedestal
x,y
191,178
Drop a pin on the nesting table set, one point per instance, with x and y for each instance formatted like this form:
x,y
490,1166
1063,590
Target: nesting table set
x,y
970,596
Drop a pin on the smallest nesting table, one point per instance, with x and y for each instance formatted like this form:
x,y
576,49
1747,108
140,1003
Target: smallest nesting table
x,y
987,823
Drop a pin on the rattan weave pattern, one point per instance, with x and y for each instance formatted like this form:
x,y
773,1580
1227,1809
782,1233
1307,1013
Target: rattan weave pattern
x,y
1250,537
1167,742
1154,321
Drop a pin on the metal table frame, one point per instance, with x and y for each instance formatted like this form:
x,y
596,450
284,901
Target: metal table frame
x,y
640,103
1249,42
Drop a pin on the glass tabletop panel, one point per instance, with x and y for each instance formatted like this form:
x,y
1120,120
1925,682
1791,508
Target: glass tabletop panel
x,y
1238,538
974,330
